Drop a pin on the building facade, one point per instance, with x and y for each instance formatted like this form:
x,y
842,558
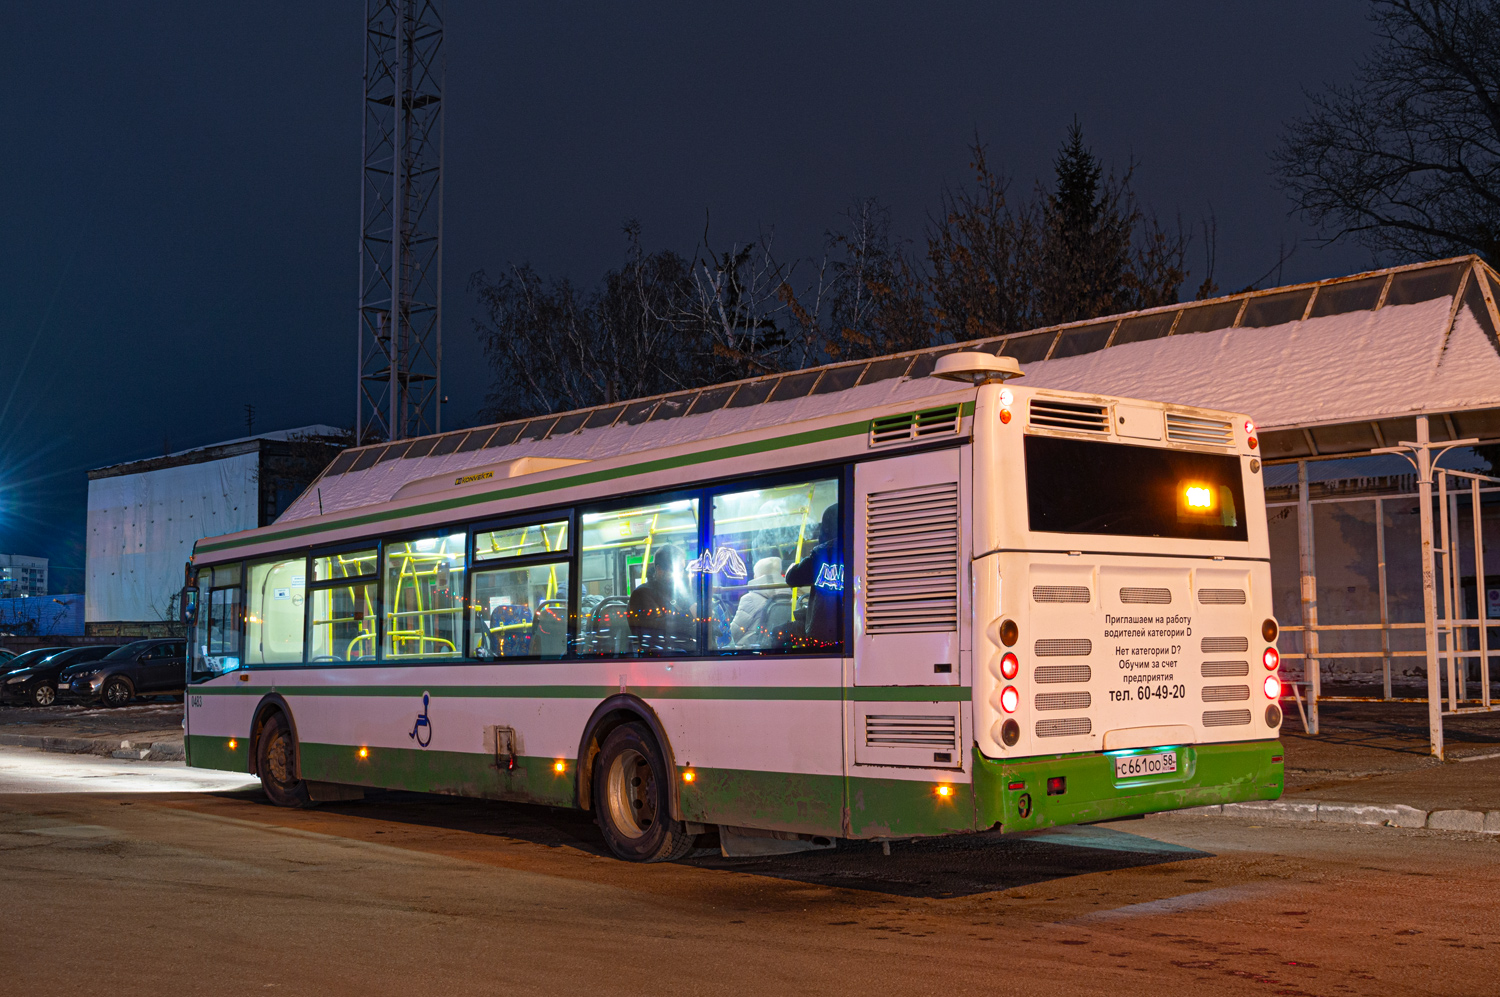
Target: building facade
x,y
22,576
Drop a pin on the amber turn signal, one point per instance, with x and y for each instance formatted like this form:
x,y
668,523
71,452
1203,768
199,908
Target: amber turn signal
x,y
1009,633
1268,631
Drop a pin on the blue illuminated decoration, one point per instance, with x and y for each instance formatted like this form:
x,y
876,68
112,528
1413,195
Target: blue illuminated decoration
x,y
830,578
725,559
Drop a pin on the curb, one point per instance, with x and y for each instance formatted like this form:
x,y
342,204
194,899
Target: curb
x,y
152,751
1370,814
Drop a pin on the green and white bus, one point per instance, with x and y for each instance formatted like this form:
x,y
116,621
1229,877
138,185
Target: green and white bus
x,y
910,606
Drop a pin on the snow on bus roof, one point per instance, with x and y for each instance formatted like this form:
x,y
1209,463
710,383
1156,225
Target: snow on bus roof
x,y
1385,344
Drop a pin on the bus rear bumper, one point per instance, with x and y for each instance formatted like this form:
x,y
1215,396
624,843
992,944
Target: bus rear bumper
x,y
1024,794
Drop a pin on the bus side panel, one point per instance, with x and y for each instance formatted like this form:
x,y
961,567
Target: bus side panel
x,y
219,714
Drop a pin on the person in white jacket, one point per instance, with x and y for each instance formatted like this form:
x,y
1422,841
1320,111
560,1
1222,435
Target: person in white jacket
x,y
747,629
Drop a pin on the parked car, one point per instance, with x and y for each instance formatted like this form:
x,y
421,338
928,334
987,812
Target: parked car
x,y
144,668
22,662
36,683
6,656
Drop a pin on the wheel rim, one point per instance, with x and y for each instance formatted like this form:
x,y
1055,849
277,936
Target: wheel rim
x,y
44,695
279,758
630,790
116,692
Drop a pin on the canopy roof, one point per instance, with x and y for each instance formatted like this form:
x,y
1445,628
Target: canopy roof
x,y
1333,367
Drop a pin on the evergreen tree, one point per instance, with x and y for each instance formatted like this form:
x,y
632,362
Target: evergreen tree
x,y
1087,224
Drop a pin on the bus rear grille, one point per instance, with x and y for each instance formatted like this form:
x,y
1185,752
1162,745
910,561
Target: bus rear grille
x,y
1158,597
1062,700
912,553
1069,647
1060,593
1069,726
1225,718
1221,597
1225,669
898,730
1191,429
914,426
1223,645
1057,674
1069,415
1225,693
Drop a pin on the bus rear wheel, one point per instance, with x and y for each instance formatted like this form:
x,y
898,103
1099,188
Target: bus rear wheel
x,y
276,762
631,801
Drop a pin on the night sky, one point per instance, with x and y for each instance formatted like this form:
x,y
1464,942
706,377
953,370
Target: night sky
x,y
182,180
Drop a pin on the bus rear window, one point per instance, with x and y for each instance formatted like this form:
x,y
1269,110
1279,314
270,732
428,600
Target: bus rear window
x,y
1113,489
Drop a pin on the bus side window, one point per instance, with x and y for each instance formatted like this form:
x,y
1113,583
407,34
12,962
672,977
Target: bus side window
x,y
639,580
423,597
274,611
343,605
775,569
520,604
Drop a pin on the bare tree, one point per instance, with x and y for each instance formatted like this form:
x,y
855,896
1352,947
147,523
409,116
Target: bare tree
x,y
1406,159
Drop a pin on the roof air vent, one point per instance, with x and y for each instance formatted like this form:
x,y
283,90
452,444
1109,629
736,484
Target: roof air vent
x,y
1050,413
1191,429
914,426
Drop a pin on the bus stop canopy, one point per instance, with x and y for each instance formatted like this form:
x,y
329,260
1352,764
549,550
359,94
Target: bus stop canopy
x,y
1332,368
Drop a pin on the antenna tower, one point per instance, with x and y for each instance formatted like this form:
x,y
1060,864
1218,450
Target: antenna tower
x,y
401,223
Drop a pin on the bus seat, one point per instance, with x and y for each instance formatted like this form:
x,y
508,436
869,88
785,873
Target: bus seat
x,y
550,630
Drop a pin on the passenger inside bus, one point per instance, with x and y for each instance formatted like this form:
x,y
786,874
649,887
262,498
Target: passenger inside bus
x,y
822,571
661,610
755,624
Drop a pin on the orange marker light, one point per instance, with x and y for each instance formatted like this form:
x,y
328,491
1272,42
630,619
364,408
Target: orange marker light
x,y
689,775
945,791
1005,416
233,744
559,766
364,752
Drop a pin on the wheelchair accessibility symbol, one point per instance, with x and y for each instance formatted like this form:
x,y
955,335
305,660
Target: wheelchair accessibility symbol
x,y
421,731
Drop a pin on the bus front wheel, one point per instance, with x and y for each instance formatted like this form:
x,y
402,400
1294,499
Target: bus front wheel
x,y
631,802
276,764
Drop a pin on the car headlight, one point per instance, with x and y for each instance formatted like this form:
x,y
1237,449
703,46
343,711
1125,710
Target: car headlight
x,y
16,678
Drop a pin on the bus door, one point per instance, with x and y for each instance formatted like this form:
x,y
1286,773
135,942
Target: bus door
x,y
911,657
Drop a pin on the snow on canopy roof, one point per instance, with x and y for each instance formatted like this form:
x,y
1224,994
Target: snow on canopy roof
x,y
1386,344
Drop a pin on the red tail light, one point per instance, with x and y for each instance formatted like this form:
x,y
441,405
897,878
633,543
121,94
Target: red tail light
x,y
1010,667
1273,687
1009,699
1271,659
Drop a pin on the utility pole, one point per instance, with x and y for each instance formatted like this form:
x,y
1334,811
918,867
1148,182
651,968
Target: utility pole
x,y
399,376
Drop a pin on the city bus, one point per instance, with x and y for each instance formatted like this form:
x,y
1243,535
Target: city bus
x,y
915,606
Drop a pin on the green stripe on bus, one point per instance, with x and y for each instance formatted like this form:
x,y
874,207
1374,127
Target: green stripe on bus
x,y
880,694
585,478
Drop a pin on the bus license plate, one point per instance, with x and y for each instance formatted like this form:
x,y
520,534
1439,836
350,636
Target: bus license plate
x,y
1130,766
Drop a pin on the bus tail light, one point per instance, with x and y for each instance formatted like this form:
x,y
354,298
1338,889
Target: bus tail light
x,y
1271,659
1009,699
1010,666
1010,733
1268,631
1273,687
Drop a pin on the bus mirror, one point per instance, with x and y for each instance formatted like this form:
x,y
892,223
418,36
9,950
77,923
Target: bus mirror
x,y
188,603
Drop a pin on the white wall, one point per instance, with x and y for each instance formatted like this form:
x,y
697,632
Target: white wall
x,y
142,527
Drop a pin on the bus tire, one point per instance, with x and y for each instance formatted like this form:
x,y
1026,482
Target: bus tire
x,y
631,800
276,755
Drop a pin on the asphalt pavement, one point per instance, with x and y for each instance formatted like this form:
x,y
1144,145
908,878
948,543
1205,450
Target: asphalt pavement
x,y
147,878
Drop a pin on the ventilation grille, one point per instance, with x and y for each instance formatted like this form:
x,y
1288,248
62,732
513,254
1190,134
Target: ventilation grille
x,y
1058,674
1155,597
1068,647
1053,414
912,548
1226,693
1191,429
901,730
1225,718
1062,700
1069,726
1225,669
1220,645
1060,593
914,426
1221,597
